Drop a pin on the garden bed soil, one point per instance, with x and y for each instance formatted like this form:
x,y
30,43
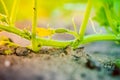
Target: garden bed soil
x,y
55,64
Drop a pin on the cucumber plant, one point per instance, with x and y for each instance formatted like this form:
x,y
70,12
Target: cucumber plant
x,y
105,15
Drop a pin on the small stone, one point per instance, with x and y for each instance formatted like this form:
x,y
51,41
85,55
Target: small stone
x,y
92,64
7,63
22,51
69,50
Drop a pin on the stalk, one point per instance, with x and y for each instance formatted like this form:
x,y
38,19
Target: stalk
x,y
83,25
87,39
60,44
74,26
110,21
5,9
41,41
99,37
85,19
34,25
16,31
36,40
14,12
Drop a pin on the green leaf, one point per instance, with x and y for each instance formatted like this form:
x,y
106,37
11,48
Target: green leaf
x,y
108,14
117,62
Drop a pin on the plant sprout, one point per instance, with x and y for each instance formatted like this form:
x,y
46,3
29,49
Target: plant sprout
x,y
34,43
37,36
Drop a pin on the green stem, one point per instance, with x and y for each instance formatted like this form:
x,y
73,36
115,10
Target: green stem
x,y
57,43
85,20
34,43
99,37
53,43
83,25
110,21
74,26
5,9
15,30
75,34
41,41
14,12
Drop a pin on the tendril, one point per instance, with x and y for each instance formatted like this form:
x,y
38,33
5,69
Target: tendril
x,y
74,25
93,27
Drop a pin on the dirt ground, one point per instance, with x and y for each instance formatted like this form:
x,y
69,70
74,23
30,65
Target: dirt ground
x,y
56,64
91,62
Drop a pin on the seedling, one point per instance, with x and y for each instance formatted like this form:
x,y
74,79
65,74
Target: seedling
x,y
37,36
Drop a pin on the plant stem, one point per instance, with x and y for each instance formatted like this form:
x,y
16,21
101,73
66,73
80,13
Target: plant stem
x,y
83,25
57,43
85,20
74,26
99,37
34,43
15,30
5,9
73,33
41,41
13,12
53,43
110,21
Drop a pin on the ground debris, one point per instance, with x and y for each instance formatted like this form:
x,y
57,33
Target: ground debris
x,y
116,71
7,46
49,66
22,51
53,64
93,64
5,50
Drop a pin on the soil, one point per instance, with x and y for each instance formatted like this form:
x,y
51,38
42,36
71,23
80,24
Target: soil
x,y
55,64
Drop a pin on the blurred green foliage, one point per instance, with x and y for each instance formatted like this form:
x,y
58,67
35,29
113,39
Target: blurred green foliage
x,y
49,8
46,7
8,5
108,14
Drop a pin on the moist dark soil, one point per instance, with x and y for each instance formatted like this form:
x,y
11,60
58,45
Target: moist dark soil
x,y
55,64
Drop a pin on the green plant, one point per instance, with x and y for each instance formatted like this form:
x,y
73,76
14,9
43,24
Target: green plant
x,y
7,52
117,62
80,38
33,38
